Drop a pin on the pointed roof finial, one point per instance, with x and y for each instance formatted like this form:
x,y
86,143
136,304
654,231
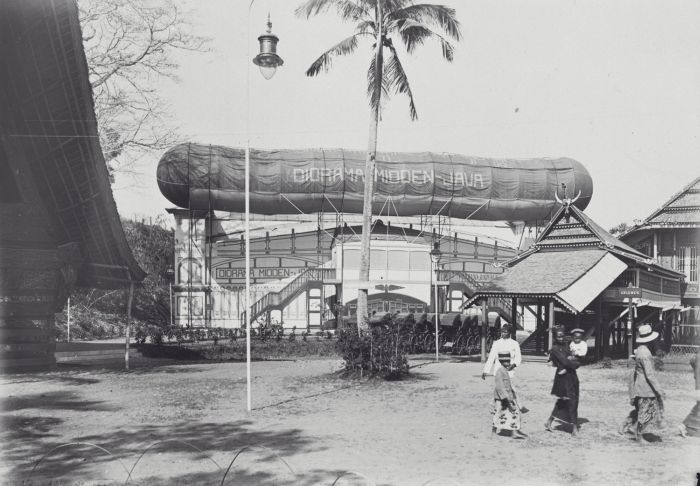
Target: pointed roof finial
x,y
269,24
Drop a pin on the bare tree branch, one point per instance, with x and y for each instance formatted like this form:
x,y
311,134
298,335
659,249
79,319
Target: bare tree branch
x,y
128,45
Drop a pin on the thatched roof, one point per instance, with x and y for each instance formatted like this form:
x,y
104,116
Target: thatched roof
x,y
48,126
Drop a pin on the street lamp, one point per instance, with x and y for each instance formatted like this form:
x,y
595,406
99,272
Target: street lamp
x,y
169,274
435,255
268,61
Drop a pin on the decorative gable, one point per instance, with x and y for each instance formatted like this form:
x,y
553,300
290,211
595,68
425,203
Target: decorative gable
x,y
681,210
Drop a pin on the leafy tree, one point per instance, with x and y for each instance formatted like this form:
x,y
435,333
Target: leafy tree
x,y
619,229
381,22
129,46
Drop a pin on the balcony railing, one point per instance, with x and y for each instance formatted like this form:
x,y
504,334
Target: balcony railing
x,y
504,305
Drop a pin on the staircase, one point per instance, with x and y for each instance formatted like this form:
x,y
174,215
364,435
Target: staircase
x,y
279,300
503,306
529,346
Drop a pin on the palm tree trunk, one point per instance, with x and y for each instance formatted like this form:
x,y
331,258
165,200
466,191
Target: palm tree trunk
x,y
362,312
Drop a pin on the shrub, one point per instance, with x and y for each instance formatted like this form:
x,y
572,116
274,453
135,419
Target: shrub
x,y
140,334
156,335
381,351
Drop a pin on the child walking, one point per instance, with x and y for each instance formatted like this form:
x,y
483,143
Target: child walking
x,y
506,414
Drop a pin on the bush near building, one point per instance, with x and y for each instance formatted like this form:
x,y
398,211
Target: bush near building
x,y
381,351
101,314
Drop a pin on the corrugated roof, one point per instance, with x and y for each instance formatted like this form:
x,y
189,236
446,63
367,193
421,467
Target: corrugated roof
x,y
48,113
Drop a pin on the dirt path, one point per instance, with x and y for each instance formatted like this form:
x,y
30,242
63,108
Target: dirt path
x,y
430,429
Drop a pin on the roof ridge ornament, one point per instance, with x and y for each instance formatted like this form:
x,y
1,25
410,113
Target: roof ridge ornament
x,y
567,201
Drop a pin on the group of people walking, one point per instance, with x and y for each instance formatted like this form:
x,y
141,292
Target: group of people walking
x,y
645,392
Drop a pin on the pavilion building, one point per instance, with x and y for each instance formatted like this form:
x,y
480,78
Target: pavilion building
x,y
578,275
671,236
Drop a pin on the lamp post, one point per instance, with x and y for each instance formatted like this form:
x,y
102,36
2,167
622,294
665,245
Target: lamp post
x,y
268,61
170,273
435,255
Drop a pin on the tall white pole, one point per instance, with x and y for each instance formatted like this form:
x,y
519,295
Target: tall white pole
x,y
68,318
128,324
437,345
247,216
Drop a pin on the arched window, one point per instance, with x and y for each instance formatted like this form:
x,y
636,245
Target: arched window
x,y
184,269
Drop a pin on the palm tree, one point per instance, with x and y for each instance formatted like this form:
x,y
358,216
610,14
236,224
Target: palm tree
x,y
381,21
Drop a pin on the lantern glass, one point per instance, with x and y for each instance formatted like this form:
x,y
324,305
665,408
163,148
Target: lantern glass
x,y
268,71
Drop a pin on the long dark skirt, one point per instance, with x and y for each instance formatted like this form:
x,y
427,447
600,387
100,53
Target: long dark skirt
x,y
647,416
566,389
566,410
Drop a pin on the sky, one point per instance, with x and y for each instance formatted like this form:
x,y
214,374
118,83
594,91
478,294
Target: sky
x,y
614,84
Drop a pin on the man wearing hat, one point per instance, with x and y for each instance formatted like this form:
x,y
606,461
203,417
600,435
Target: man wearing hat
x,y
506,414
646,394
578,347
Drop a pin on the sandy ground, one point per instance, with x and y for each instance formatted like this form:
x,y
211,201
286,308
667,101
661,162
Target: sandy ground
x,y
310,427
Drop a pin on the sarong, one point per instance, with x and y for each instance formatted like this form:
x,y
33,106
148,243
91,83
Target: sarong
x,y
504,418
647,416
566,410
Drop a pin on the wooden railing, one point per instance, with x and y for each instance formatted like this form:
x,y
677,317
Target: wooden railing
x,y
503,305
276,300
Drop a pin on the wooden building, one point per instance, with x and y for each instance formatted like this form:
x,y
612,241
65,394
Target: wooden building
x,y
59,225
671,236
578,275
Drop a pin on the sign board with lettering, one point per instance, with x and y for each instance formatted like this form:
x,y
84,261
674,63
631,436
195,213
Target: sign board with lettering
x,y
289,181
617,293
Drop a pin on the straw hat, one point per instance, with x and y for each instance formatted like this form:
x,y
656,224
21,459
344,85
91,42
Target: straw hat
x,y
577,331
645,334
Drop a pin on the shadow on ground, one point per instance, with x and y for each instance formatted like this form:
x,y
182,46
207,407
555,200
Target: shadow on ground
x,y
172,454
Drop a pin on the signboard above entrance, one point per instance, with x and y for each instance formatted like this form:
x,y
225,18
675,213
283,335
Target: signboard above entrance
x,y
616,293
209,177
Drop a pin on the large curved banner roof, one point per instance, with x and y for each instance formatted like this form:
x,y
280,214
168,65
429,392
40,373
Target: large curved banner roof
x,y
289,181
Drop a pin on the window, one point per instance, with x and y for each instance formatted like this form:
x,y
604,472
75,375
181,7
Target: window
x,y
351,259
377,259
184,272
398,260
420,260
456,300
688,262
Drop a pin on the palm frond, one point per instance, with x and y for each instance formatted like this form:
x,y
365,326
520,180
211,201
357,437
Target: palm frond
x,y
398,81
375,97
347,9
414,34
366,27
440,15
345,46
